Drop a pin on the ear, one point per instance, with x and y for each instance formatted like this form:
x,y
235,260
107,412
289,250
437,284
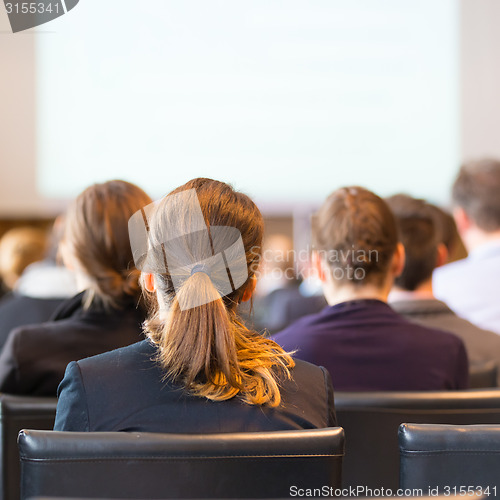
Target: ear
x,y
442,255
398,260
247,294
462,220
318,266
149,282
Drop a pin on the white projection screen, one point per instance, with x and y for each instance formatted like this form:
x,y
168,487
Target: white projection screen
x,y
287,100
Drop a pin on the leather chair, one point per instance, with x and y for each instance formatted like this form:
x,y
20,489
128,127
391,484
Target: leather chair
x,y
371,421
450,459
483,375
144,465
16,413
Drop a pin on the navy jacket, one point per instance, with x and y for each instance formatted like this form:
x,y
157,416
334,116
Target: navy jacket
x,y
366,346
123,391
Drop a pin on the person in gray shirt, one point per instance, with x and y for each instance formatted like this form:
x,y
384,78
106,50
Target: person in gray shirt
x,y
412,294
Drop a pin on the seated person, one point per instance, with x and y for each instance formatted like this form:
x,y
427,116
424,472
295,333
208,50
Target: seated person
x,y
364,344
38,286
102,317
471,286
412,294
278,300
201,370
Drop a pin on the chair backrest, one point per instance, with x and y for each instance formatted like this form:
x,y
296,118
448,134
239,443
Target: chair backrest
x,y
450,459
16,413
483,375
371,422
143,465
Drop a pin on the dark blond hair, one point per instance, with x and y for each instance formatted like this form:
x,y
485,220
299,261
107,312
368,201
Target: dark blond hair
x,y
96,235
355,229
207,348
20,247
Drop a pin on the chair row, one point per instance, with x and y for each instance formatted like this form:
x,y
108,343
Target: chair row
x,y
370,422
435,459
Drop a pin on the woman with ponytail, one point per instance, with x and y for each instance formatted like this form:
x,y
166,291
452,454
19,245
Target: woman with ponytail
x,y
200,369
105,315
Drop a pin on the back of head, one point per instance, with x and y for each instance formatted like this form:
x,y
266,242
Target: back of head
x,y
420,236
20,247
205,246
96,241
356,235
476,190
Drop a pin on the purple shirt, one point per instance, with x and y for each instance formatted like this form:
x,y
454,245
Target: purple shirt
x,y
366,346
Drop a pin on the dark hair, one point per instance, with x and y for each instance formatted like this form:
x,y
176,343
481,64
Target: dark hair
x,y
420,236
96,235
207,348
476,190
449,236
356,234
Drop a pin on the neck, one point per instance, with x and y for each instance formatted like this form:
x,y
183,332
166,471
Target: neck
x,y
337,294
474,238
423,291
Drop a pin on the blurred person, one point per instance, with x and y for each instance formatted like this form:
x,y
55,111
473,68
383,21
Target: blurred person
x,y
105,316
412,294
471,286
40,289
358,337
278,299
20,247
201,369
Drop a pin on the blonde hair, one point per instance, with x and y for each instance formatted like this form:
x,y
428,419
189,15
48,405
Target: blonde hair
x,y
96,235
20,247
207,348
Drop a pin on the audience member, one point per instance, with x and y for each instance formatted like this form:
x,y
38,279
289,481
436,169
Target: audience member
x,y
412,293
471,286
278,301
362,342
20,247
39,290
103,317
202,370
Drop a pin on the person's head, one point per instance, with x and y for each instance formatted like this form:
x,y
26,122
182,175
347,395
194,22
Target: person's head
x,y
202,343
476,200
450,237
356,246
20,247
422,239
96,243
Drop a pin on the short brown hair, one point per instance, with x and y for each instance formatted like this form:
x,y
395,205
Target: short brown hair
x,y
477,191
356,232
420,236
96,235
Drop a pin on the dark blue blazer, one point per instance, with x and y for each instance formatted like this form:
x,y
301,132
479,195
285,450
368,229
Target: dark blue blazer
x,y
123,391
366,346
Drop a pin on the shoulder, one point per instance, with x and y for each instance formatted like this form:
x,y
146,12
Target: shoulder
x,y
131,357
443,276
297,329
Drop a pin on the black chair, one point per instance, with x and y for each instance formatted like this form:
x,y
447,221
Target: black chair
x,y
483,375
371,421
144,465
16,413
450,459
